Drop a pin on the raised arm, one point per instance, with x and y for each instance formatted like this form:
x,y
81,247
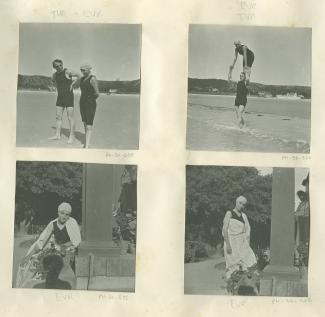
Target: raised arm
x,y
93,82
75,78
226,221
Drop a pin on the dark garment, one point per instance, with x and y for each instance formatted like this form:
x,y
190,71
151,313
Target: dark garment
x,y
304,225
61,236
128,197
235,216
249,53
56,284
87,101
241,96
65,94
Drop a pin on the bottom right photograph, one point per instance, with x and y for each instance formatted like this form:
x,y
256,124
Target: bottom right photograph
x,y
247,231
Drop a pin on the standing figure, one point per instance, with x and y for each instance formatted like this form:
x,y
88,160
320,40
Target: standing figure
x,y
64,80
236,232
248,59
241,100
89,94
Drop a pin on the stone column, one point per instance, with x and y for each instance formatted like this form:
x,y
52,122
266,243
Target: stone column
x,y
98,255
281,268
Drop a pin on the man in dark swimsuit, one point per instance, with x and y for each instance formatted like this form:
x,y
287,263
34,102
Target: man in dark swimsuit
x,y
63,79
248,59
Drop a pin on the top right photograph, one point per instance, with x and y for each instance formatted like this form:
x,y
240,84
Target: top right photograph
x,y
249,89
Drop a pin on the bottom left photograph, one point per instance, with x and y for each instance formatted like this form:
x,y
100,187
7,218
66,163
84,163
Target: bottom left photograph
x,y
75,226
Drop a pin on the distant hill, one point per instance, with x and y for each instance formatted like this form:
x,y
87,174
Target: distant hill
x,y
37,82
223,87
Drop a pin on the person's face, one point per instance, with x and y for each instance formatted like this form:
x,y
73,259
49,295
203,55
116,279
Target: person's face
x,y
240,204
63,216
58,66
242,76
85,71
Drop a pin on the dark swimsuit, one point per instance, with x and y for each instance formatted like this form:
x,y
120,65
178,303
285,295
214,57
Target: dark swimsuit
x,y
65,94
61,236
241,96
235,216
87,101
249,53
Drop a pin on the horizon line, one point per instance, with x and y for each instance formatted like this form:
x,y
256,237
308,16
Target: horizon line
x,y
96,77
252,82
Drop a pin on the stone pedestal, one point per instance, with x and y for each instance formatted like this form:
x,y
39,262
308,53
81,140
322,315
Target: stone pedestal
x,y
281,273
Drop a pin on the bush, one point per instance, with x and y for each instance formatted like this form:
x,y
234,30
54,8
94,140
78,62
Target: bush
x,y
194,251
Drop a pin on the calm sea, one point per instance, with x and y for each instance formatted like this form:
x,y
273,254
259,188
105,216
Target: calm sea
x,y
299,108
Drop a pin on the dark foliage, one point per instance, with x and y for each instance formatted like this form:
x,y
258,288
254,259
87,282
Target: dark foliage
x,y
42,186
211,191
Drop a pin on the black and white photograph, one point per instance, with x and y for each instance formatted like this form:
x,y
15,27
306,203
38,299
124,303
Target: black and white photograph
x,y
249,89
247,231
75,226
78,85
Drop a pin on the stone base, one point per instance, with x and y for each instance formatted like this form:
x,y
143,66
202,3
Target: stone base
x,y
98,248
104,283
99,272
282,281
289,273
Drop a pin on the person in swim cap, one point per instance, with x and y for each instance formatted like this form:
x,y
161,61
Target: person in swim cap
x,y
248,59
89,93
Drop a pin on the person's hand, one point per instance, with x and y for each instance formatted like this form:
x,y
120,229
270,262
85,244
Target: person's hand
x,y
228,248
71,249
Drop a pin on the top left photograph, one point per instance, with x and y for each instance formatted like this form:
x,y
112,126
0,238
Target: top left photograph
x,y
79,86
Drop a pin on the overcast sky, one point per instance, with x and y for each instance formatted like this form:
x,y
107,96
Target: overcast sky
x,y
112,49
282,55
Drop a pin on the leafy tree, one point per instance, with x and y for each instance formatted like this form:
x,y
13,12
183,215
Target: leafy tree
x,y
41,186
211,191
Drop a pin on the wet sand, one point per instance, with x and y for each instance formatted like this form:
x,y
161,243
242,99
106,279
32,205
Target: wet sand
x,y
213,127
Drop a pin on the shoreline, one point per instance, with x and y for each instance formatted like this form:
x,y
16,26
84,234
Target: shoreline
x,y
77,92
251,97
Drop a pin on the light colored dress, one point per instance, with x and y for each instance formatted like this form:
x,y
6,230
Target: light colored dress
x,y
242,255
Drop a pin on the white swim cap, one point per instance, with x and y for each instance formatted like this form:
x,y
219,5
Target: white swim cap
x,y
86,66
65,207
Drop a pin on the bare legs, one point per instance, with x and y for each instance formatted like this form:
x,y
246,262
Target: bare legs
x,y
239,115
247,70
59,114
88,129
71,124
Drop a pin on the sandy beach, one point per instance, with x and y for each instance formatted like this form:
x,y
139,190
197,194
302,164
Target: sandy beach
x,y
271,125
116,124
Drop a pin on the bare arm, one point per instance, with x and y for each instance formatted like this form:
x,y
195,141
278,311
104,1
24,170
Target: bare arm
x,y
226,221
235,59
72,74
75,78
53,79
93,82
247,228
